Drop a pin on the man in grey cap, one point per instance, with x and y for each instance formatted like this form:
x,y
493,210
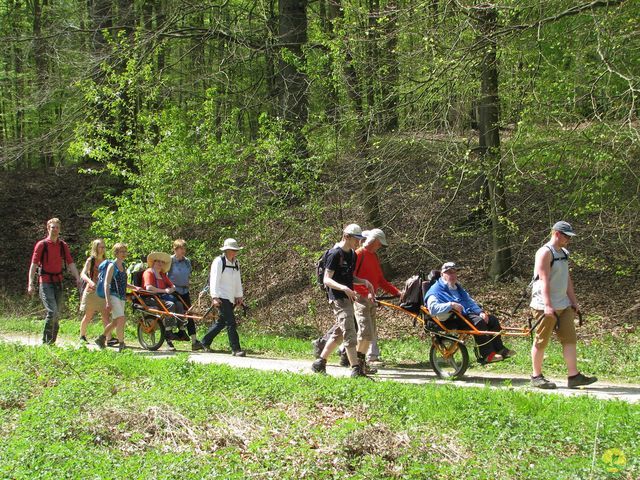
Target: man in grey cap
x,y
553,301
339,280
447,295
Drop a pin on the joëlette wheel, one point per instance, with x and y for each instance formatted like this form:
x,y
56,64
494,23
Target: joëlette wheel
x,y
150,332
449,358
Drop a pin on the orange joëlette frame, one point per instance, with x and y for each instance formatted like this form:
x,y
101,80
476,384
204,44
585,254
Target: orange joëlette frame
x,y
140,293
424,314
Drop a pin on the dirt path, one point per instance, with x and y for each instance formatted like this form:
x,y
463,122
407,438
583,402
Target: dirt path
x,y
601,390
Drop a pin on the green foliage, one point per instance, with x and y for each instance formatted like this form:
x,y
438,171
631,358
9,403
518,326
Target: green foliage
x,y
92,414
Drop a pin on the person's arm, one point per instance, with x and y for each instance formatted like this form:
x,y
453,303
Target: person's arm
x,y
107,286
543,270
239,294
170,286
37,254
70,264
32,278
329,282
74,271
366,283
86,275
214,280
572,295
438,308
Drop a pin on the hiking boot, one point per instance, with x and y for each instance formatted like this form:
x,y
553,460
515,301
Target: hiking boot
x,y
368,369
318,346
171,346
238,353
101,341
543,383
83,339
121,346
507,353
357,372
580,380
344,359
112,342
319,366
207,348
195,346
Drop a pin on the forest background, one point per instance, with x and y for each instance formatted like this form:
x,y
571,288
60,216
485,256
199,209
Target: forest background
x,y
464,129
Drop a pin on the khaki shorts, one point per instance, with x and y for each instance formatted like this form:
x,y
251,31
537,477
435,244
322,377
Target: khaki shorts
x,y
92,302
345,322
365,311
566,331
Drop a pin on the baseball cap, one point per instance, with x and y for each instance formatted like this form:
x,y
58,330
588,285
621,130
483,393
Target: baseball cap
x,y
449,266
353,230
377,234
564,227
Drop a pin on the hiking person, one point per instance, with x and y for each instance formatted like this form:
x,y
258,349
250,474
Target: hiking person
x,y
339,280
225,288
180,271
92,303
114,289
447,295
50,257
368,268
553,302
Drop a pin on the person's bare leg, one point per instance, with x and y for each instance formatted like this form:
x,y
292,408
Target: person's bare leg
x,y
570,354
88,315
537,357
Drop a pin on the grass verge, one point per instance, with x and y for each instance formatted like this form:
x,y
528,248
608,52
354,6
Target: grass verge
x,y
76,413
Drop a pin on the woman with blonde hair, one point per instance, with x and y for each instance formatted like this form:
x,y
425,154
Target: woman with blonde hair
x,y
91,303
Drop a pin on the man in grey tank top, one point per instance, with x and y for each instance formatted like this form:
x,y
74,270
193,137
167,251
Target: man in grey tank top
x,y
553,300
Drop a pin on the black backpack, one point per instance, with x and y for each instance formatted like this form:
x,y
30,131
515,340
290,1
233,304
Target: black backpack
x,y
232,267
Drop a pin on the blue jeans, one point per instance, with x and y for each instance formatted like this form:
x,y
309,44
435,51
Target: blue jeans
x,y
52,298
226,319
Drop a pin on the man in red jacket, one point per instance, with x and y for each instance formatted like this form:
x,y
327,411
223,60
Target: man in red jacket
x,y
368,267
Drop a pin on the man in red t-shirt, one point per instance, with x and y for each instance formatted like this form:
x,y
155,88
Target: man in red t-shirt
x,y
368,268
50,256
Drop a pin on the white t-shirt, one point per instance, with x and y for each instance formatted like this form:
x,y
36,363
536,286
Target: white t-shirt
x,y
558,282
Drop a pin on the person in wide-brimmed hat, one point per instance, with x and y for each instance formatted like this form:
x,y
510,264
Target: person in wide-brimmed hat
x,y
225,287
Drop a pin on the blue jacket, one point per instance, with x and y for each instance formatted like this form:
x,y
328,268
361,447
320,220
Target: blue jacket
x,y
443,295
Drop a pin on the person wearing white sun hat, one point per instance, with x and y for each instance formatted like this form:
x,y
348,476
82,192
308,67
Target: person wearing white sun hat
x,y
225,287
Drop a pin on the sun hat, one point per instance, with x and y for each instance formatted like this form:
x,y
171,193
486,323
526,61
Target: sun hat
x,y
449,266
230,244
163,257
564,227
377,234
353,230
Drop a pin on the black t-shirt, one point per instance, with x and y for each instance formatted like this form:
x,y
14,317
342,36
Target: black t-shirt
x,y
342,264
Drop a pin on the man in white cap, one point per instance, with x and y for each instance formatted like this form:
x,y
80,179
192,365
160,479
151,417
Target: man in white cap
x,y
225,287
553,302
368,268
339,279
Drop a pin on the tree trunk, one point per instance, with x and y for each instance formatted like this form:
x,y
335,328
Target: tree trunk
x,y
292,30
489,133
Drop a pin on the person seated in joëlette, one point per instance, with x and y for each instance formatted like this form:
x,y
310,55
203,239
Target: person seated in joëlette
x,y
447,295
156,280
